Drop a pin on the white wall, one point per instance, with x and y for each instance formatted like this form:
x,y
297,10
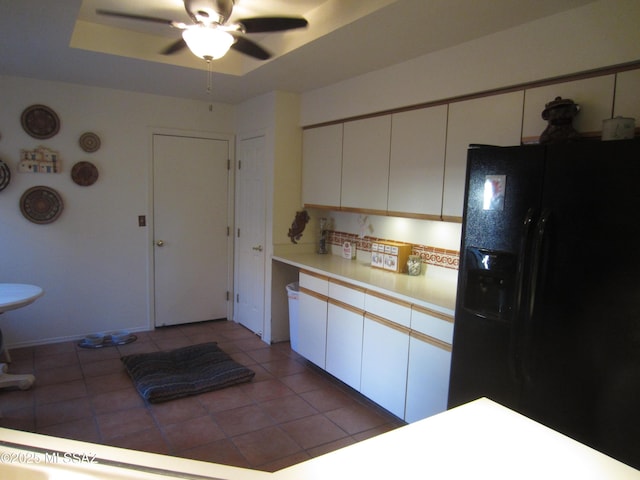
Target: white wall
x,y
602,33
94,262
276,116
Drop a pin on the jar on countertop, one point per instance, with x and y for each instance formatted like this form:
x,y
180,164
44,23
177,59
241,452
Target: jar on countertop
x,y
414,265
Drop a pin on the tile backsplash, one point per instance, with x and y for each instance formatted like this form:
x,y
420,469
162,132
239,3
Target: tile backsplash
x,y
439,257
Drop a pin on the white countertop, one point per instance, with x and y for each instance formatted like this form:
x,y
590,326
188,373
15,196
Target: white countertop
x,y
18,295
437,293
479,440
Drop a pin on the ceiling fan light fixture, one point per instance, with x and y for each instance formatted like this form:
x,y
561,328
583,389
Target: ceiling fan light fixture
x,y
207,42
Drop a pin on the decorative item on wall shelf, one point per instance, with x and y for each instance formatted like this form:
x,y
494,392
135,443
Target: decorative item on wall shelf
x,y
40,160
297,227
41,205
559,113
89,142
40,121
84,173
5,175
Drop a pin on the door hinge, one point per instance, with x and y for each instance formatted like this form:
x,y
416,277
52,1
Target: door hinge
x,y
227,295
238,232
239,164
228,164
228,231
237,298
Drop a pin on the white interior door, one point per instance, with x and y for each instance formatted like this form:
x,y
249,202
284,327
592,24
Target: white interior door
x,y
250,235
190,221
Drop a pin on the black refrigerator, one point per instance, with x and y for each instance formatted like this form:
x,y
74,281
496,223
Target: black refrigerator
x,y
547,317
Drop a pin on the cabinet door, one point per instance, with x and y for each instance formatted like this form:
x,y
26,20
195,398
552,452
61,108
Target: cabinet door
x,y
494,120
416,166
365,163
385,351
312,326
427,378
344,342
595,95
322,166
627,96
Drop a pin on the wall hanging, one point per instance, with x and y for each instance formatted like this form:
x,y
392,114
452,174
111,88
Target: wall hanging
x,y
40,160
40,121
41,205
84,173
89,142
5,175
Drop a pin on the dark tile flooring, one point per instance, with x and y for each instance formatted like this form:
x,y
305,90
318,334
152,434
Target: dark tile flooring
x,y
290,412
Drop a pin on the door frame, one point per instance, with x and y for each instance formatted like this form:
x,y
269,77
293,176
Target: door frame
x,y
230,139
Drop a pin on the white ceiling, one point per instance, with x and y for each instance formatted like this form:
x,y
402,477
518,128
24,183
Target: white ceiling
x,y
63,40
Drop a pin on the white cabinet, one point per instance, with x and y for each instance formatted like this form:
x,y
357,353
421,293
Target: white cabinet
x,y
594,95
344,342
427,377
345,319
429,363
627,96
322,166
416,168
312,317
495,120
385,351
365,163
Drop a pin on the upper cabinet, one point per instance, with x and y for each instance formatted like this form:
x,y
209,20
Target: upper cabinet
x,y
365,164
494,120
416,165
627,98
322,166
594,95
413,162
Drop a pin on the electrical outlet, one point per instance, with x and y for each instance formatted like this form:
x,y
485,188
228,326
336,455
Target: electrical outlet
x,y
142,220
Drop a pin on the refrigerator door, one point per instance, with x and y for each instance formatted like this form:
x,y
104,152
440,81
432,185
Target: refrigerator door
x,y
502,199
582,354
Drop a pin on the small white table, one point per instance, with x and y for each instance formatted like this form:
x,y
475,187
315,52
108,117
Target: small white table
x,y
12,297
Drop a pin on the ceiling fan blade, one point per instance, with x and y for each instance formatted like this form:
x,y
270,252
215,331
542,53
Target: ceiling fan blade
x,y
272,24
130,16
175,47
248,47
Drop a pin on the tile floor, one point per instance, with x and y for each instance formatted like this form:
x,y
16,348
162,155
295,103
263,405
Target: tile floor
x,y
290,412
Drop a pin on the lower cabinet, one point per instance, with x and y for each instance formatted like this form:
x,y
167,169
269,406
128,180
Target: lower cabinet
x,y
427,378
395,353
312,326
344,342
385,351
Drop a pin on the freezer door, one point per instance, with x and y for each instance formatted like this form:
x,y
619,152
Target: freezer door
x,y
502,198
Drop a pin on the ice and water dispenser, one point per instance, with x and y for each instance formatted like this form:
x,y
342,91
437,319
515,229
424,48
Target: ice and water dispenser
x,y
490,283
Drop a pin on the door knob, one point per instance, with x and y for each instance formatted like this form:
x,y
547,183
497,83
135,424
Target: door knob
x,y
160,243
258,248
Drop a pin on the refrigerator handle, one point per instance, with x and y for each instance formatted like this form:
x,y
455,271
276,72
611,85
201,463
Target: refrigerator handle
x,y
537,266
515,359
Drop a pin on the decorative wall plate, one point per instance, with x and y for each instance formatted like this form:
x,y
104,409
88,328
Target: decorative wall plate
x,y
41,205
89,142
40,121
84,173
5,175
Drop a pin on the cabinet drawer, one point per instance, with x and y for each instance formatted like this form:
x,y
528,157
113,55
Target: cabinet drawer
x,y
345,293
315,282
434,324
392,309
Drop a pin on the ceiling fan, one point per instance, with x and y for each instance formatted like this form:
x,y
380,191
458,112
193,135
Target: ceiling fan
x,y
210,37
